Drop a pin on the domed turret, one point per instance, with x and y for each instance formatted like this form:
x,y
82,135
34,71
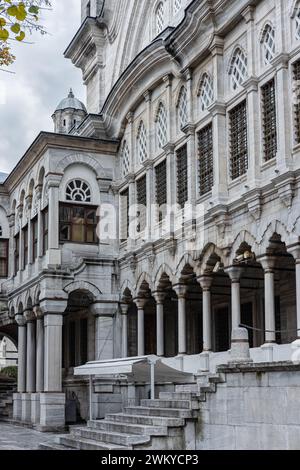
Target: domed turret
x,y
69,113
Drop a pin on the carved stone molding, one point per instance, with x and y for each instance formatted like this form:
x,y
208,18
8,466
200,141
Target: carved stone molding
x,y
253,200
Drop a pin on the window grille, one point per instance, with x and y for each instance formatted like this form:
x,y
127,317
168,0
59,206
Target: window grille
x,y
34,238
125,159
25,246
141,189
16,253
124,206
182,176
3,258
238,141
182,108
177,6
297,22
161,126
238,69
205,154
161,187
142,143
78,191
206,92
269,120
296,78
160,18
268,44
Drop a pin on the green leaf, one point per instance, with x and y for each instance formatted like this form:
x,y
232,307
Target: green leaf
x,y
34,10
21,13
12,11
21,36
4,34
2,22
15,28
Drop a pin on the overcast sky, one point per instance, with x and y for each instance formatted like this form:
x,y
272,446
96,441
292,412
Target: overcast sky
x,y
42,78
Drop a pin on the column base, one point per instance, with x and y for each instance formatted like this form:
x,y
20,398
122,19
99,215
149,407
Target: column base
x,y
35,408
52,412
17,406
204,361
26,408
268,349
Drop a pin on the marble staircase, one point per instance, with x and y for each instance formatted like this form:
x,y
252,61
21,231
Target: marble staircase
x,y
160,424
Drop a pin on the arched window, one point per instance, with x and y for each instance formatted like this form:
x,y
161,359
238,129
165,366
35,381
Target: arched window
x,y
125,159
78,191
182,108
177,6
206,92
238,69
268,44
142,143
160,17
161,126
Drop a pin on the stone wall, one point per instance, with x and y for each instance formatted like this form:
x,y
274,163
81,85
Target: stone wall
x,y
257,408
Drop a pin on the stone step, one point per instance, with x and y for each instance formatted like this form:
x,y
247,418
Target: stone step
x,y
49,446
181,404
181,396
107,437
187,388
126,428
210,388
161,412
87,444
217,378
146,420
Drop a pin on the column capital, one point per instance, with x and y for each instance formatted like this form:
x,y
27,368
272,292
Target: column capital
x,y
53,306
140,302
235,273
103,309
159,297
205,282
124,308
294,250
181,290
268,263
38,312
29,315
20,320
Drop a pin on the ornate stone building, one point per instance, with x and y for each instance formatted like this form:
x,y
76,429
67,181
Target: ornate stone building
x,y
193,114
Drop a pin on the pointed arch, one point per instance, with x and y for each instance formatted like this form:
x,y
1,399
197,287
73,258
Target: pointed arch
x,y
267,40
182,107
161,125
142,142
205,90
143,278
243,237
238,70
163,269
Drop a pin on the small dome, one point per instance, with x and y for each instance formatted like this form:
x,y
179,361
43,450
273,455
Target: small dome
x,y
71,102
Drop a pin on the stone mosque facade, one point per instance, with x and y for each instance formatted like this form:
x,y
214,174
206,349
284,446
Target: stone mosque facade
x,y
165,212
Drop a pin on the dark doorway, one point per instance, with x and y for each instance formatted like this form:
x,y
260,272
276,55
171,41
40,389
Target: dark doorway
x,y
222,339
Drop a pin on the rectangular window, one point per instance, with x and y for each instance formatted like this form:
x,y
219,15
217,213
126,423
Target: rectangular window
x,y
16,253
25,246
182,176
161,188
269,120
77,224
34,227
205,155
45,219
296,78
141,190
238,141
124,215
3,258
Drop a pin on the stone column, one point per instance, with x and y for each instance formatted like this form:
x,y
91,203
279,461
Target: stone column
x,y
39,349
104,339
295,251
140,303
235,273
181,290
31,352
218,111
205,283
22,351
268,264
54,254
160,332
124,311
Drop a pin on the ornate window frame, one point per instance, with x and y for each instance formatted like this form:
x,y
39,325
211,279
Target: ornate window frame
x,y
238,69
206,91
78,190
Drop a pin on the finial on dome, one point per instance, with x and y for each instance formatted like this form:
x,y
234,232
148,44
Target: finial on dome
x,y
71,94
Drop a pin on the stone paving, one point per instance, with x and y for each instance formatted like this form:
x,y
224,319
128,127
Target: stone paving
x,y
20,438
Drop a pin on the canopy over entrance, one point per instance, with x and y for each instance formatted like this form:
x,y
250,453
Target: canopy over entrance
x,y
137,369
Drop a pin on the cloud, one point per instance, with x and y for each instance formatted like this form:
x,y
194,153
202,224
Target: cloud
x,y
43,77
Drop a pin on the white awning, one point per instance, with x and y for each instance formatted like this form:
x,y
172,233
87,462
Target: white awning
x,y
135,368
